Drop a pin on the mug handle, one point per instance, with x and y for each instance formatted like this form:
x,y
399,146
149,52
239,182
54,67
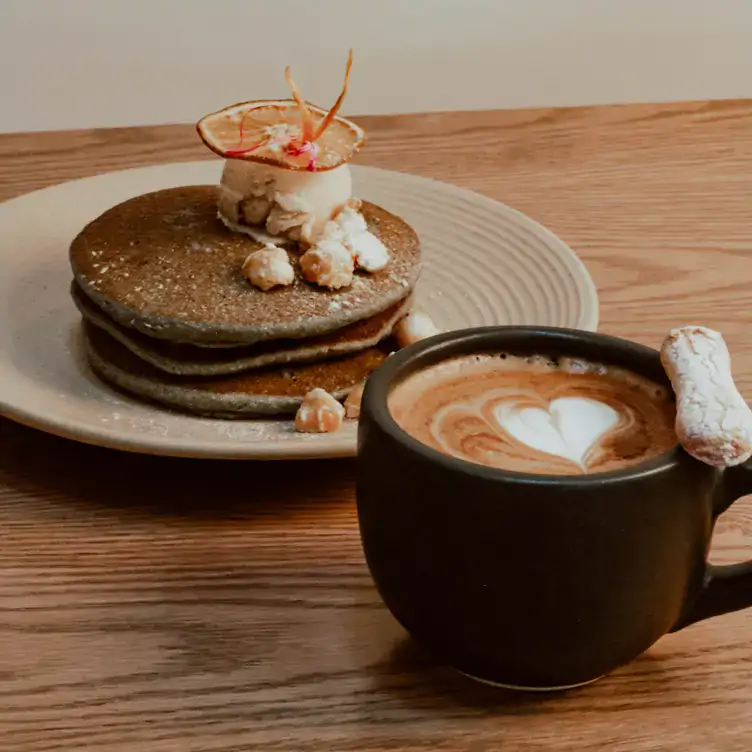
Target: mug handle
x,y
725,588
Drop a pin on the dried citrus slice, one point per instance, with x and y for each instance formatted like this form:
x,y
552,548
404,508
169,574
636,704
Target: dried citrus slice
x,y
272,132
289,133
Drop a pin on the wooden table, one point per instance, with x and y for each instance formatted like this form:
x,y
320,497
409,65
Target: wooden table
x,y
158,604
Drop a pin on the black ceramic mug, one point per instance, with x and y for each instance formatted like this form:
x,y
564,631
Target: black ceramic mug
x,y
538,581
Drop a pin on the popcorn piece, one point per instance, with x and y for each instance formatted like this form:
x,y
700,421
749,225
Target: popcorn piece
x,y
332,231
269,268
351,221
257,202
413,328
713,422
255,209
281,221
352,403
369,252
329,264
349,226
319,413
228,206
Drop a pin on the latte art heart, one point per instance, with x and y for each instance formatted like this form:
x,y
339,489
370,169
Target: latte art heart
x,y
568,429
533,415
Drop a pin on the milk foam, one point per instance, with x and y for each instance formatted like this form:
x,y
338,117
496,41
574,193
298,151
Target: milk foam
x,y
568,429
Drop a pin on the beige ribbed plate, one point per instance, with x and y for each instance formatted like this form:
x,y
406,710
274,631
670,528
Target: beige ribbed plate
x,y
484,263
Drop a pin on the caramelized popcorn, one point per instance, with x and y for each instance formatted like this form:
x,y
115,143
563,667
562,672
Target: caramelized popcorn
x,y
255,209
350,221
329,264
268,268
350,228
352,403
369,252
281,221
319,413
413,328
228,207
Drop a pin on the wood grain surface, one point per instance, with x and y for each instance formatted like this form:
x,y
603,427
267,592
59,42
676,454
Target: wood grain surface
x,y
171,605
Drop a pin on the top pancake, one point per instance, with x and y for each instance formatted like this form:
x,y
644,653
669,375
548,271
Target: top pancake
x,y
163,264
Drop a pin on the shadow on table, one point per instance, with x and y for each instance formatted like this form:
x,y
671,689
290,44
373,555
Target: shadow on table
x,y
413,678
46,467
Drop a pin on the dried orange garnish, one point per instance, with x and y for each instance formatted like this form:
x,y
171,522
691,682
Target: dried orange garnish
x,y
290,133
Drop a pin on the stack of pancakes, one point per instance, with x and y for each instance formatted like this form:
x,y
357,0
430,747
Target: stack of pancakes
x,y
169,317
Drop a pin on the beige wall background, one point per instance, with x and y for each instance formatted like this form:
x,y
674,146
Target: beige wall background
x,y
87,63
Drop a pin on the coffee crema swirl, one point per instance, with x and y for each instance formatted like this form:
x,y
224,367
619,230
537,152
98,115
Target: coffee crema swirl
x,y
537,416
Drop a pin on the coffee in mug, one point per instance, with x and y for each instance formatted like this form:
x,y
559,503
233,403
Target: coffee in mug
x,y
536,414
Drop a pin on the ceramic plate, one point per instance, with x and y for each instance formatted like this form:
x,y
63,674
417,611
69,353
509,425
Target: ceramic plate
x,y
484,263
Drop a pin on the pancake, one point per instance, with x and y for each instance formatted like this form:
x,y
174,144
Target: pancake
x,y
190,360
266,392
164,265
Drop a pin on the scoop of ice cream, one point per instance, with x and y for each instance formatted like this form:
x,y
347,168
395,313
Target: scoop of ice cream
x,y
291,204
